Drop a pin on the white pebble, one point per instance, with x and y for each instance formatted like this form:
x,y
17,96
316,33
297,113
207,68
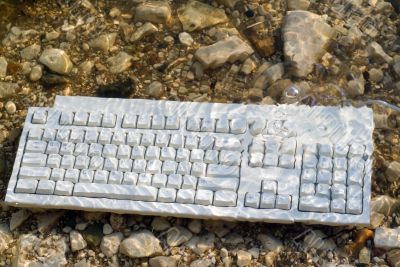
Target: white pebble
x,y
10,107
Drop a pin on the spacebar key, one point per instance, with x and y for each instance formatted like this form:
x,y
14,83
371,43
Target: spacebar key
x,y
128,192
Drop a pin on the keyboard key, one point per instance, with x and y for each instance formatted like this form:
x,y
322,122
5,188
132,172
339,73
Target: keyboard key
x,y
283,202
324,177
105,136
313,203
182,154
138,152
81,149
309,176
154,166
211,156
204,197
138,193
91,136
230,184
338,191
340,164
168,153
257,146
67,162
53,161
206,142
287,161
124,152
341,150
257,126
26,186
130,178
192,142
222,125
35,134
228,143
208,125
270,160
96,163
49,134
169,167
148,139
310,161
152,153
118,138
185,196
174,181
356,150
184,168
326,150
139,165
63,135
215,170
95,119
129,121
35,146
189,182
81,118
269,186
252,200
64,188
39,116
71,175
158,122
57,174
100,177
38,173
267,201
162,140
110,164
67,148
109,120
339,177
77,136
198,169
193,124
177,141
159,180
325,163
338,205
144,121
172,123
133,139
230,158
166,195
82,162
307,189
66,118
125,165
323,190
115,177
34,160
288,147
238,126
225,199
86,176
196,155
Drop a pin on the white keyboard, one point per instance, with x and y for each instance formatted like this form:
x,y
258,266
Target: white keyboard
x,y
224,161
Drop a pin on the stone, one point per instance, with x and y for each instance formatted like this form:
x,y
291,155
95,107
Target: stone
x,y
220,228
36,73
32,251
195,15
18,218
86,67
275,91
93,234
53,35
306,36
162,261
270,242
255,94
385,205
195,226
233,239
375,75
393,256
376,219
364,256
185,39
155,89
5,237
228,3
377,53
298,4
103,42
387,238
269,76
10,107
107,229
141,244
178,235
77,241
204,243
248,66
46,220
143,31
243,258
30,52
117,221
114,12
393,171
153,11
110,244
318,240
120,63
3,67
230,50
255,252
201,263
356,86
160,224
56,60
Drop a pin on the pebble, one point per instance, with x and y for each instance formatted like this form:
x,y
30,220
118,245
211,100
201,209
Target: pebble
x,y
298,4
248,66
103,42
107,229
86,67
393,171
120,63
195,226
233,239
3,67
318,240
375,75
178,235
270,242
10,107
243,258
77,241
110,244
56,60
387,238
393,256
185,39
117,221
201,263
376,52
162,261
269,76
306,36
45,221
114,12
30,52
143,31
36,73
18,218
141,244
228,50
364,256
8,89
53,35
155,89
160,224
153,11
5,237
204,243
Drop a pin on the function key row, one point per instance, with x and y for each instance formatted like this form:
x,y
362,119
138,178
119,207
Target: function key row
x,y
219,125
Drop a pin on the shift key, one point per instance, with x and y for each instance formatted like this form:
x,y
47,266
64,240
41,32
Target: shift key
x,y
38,173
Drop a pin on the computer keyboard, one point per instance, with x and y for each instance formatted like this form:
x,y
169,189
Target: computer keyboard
x,y
280,164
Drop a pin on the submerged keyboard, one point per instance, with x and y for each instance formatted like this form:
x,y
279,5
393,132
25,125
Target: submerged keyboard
x,y
280,164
